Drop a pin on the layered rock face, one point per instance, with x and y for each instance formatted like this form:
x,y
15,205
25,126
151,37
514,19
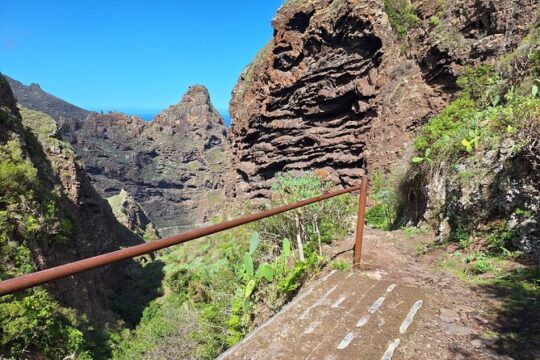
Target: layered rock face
x,y
175,167
336,89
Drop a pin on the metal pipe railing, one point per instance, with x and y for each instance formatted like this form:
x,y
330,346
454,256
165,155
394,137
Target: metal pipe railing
x,y
43,276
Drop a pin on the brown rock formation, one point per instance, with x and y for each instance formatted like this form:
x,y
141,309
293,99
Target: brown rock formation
x,y
337,89
130,214
175,167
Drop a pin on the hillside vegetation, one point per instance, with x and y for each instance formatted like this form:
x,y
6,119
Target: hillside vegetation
x,y
49,215
474,179
219,288
31,221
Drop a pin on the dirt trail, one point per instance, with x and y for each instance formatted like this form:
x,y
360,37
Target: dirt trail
x,y
396,307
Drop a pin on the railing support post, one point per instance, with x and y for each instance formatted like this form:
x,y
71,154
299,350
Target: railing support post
x,y
360,223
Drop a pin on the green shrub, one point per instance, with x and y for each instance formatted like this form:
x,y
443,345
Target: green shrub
x,y
499,238
32,321
481,263
30,222
340,265
465,126
18,176
402,16
311,226
150,233
383,212
434,21
227,280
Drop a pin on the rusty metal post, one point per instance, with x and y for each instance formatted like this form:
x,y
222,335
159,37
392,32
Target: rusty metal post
x,y
360,223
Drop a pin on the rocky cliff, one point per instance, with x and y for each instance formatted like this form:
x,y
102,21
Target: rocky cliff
x,y
34,98
50,214
130,214
344,84
175,167
95,229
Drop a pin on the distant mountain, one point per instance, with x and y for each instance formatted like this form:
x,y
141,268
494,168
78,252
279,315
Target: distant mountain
x,y
176,166
34,98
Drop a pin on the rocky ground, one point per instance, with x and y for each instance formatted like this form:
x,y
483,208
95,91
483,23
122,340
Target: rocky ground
x,y
337,317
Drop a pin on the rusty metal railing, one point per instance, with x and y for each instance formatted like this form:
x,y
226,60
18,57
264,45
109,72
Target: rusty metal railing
x,y
47,275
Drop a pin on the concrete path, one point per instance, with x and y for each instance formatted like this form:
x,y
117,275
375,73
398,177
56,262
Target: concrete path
x,y
394,308
347,315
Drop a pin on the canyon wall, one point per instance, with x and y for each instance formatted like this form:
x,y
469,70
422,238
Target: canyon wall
x,y
338,90
59,217
176,167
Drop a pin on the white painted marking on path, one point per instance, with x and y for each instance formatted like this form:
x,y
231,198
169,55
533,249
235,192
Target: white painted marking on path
x,y
336,326
338,302
363,321
328,275
305,314
410,316
296,302
390,351
346,341
374,307
312,327
377,304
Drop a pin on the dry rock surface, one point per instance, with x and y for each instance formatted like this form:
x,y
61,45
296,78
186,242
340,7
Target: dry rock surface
x,y
175,167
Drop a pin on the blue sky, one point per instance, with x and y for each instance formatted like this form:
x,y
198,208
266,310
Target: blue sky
x,y
132,55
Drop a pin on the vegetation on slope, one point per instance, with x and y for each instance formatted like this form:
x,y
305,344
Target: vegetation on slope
x,y
402,16
31,322
219,288
40,226
474,179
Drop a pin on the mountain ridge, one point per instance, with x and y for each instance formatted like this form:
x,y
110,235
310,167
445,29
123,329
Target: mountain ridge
x,y
175,166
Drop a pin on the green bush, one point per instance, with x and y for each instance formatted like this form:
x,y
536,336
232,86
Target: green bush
x,y
223,284
499,238
466,126
18,176
30,221
481,263
402,16
34,322
311,226
434,21
383,211
496,102
340,265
